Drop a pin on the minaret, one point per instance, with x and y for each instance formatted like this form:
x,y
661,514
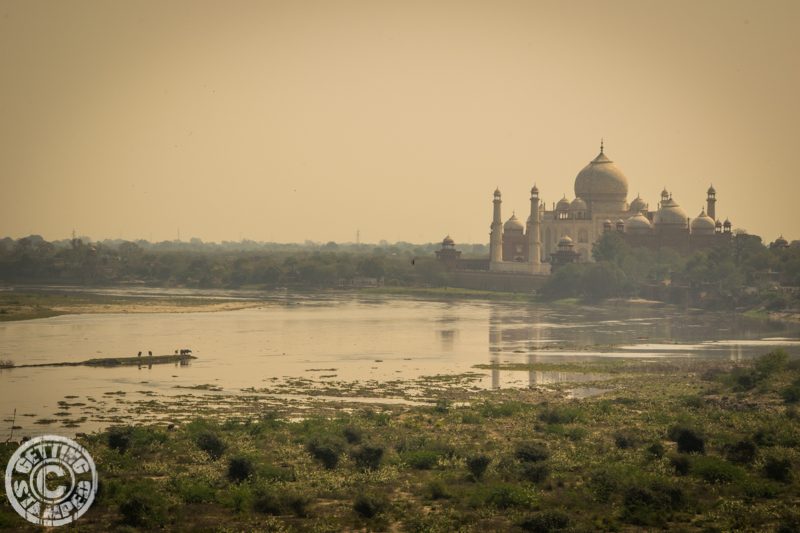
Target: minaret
x,y
496,236
711,202
534,233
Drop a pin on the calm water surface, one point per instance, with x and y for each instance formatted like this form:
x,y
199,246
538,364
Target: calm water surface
x,y
353,338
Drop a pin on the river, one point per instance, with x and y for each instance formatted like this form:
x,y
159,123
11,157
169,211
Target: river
x,y
347,337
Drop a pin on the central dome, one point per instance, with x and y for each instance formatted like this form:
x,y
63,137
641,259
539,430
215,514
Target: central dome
x,y
602,184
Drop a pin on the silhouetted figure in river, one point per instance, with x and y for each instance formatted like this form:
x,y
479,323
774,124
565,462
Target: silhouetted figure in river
x,y
150,353
140,354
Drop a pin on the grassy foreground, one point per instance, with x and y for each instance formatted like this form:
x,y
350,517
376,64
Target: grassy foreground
x,y
703,447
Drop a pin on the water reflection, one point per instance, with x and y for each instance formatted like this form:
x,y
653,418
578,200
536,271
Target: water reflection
x,y
534,334
356,338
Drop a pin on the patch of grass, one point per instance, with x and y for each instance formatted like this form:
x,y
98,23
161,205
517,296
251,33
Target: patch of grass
x,y
505,496
501,410
564,414
545,522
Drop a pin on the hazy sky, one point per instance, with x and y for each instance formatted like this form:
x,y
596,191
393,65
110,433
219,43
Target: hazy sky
x,y
294,120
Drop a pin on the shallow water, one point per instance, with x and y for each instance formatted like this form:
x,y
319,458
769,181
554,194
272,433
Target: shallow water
x,y
347,338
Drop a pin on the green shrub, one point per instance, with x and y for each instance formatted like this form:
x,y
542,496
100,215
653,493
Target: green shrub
x,y
693,402
240,468
368,457
477,465
276,473
124,438
656,450
211,444
716,470
545,522
442,405
531,452
791,394
603,484
501,410
506,495
778,468
743,452
119,438
771,363
625,439
193,490
325,451
353,434
369,505
688,439
237,497
142,506
651,505
437,490
534,472
272,501
759,489
297,503
470,417
421,459
560,415
267,501
681,464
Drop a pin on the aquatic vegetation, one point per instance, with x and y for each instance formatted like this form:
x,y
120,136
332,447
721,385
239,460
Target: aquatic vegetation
x,y
677,447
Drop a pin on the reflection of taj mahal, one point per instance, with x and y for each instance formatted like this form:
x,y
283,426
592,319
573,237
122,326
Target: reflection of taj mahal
x,y
566,233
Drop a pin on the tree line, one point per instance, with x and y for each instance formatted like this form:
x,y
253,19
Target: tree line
x,y
207,265
740,273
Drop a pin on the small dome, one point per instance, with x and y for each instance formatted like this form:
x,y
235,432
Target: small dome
x,y
565,241
448,241
717,224
703,224
638,205
563,204
780,241
664,193
497,191
712,190
577,205
670,214
727,223
638,223
513,224
534,189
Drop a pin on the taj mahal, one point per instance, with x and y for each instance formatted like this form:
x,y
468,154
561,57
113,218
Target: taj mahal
x,y
566,233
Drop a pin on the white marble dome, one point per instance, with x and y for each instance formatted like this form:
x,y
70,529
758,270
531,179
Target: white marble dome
x,y
670,214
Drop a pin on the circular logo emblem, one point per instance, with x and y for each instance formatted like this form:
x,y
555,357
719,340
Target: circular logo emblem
x,y
51,480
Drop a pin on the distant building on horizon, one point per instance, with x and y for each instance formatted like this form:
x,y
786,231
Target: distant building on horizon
x,y
567,232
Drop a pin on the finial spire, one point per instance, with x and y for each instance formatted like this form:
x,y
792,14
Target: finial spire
x,y
601,145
